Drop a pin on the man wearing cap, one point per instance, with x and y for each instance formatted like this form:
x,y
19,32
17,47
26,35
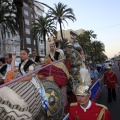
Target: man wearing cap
x,y
85,109
111,81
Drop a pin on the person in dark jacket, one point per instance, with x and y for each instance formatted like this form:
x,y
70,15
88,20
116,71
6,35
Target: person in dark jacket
x,y
3,68
35,57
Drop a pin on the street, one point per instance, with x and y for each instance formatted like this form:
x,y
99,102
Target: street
x,y
114,106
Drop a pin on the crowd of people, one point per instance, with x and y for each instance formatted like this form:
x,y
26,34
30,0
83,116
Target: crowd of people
x,y
54,54
81,109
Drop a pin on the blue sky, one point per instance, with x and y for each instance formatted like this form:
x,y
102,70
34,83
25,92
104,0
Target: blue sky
x,y
101,16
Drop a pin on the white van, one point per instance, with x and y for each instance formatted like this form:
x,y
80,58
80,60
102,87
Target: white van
x,y
108,62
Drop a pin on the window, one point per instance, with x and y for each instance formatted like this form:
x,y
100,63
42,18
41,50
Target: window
x,y
31,15
34,42
42,52
2,34
26,21
25,12
38,10
8,33
27,30
25,4
28,40
42,41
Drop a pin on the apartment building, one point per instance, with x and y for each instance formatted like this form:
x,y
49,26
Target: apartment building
x,y
29,17
8,43
70,34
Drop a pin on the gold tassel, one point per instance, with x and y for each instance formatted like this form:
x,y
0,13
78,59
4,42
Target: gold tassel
x,y
77,117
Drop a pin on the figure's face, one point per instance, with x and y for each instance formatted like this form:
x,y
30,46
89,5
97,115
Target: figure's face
x,y
52,48
24,55
8,60
83,99
34,53
108,69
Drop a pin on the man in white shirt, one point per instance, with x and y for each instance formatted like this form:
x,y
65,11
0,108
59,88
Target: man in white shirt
x,y
8,60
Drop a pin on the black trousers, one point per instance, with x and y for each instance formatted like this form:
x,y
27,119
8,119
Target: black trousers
x,y
111,94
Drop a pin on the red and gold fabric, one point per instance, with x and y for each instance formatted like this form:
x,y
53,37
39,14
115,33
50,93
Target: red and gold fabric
x,y
110,79
95,112
58,71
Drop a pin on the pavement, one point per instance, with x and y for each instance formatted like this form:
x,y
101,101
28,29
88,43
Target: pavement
x,y
114,106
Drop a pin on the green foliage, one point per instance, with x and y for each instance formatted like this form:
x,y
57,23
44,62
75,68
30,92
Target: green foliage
x,y
63,43
42,27
94,49
60,13
8,18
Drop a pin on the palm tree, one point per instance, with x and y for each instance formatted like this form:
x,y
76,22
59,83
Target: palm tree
x,y
43,27
83,41
64,43
98,49
7,23
8,19
18,4
90,34
60,14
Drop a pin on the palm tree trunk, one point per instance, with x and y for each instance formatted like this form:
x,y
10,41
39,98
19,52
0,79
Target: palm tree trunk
x,y
44,37
61,30
21,26
19,18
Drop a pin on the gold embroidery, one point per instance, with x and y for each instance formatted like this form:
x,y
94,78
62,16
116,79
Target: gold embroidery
x,y
74,104
77,117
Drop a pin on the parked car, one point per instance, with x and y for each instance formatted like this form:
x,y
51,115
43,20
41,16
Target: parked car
x,y
108,62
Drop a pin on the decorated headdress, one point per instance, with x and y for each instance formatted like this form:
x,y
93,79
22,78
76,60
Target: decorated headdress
x,y
107,66
82,89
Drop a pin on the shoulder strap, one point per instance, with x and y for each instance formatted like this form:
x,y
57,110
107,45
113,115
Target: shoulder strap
x,y
101,114
100,105
110,76
102,111
74,104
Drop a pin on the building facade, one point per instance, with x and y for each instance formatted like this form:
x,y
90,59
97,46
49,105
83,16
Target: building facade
x,y
7,41
69,34
29,17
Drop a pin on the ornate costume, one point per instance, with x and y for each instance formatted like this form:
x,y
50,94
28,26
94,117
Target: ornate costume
x,y
21,100
54,56
94,112
85,109
36,59
111,80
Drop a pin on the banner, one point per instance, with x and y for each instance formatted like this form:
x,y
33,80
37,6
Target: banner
x,y
95,91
